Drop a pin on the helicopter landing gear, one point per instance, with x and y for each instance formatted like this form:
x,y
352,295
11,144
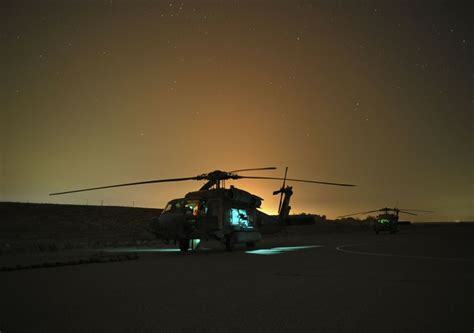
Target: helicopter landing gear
x,y
229,243
184,244
250,245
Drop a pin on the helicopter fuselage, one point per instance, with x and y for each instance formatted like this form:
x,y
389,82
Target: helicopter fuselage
x,y
386,222
228,215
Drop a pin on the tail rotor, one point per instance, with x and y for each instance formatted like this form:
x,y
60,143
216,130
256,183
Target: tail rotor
x,y
281,190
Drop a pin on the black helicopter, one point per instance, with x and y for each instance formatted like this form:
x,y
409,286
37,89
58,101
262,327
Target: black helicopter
x,y
387,220
229,215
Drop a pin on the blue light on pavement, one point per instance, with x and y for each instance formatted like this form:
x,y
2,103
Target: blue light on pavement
x,y
281,249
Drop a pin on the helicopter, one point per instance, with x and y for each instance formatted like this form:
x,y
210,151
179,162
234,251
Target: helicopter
x,y
214,212
387,220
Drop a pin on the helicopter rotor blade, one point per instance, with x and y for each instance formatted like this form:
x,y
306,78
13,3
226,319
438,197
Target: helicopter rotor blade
x,y
281,192
128,184
218,175
386,209
361,213
416,210
297,180
253,169
401,211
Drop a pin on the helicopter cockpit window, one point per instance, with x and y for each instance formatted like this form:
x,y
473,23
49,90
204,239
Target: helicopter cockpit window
x,y
240,217
195,207
191,207
173,207
203,208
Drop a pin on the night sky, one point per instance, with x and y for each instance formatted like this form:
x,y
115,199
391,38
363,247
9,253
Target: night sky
x,y
374,93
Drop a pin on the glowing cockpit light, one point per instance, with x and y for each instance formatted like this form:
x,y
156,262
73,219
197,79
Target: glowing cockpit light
x,y
240,218
282,249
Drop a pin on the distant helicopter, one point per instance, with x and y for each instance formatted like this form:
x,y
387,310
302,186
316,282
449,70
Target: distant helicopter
x,y
387,220
229,215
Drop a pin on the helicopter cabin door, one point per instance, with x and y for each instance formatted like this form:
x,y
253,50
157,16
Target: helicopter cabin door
x,y
213,214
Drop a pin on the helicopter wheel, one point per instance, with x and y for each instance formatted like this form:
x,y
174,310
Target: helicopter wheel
x,y
184,244
229,243
250,245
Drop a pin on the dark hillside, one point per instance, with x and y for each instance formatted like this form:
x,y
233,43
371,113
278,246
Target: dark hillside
x,y
50,227
31,227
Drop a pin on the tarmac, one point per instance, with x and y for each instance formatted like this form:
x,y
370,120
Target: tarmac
x,y
418,280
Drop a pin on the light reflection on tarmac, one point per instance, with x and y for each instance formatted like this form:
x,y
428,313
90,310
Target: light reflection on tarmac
x,y
263,251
